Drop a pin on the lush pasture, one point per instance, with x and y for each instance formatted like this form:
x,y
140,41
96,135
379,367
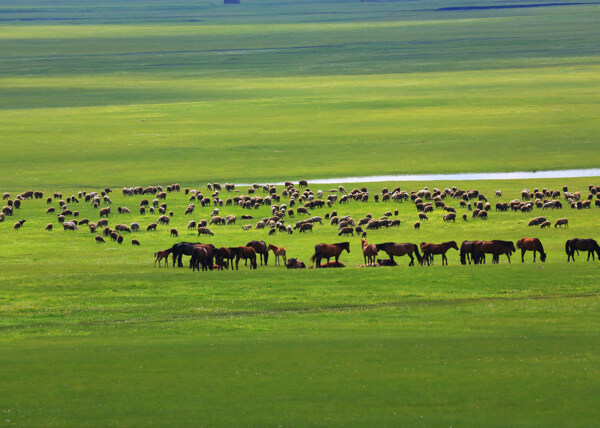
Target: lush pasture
x,y
87,325
108,93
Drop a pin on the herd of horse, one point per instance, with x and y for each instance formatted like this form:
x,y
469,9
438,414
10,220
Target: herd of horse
x,y
208,257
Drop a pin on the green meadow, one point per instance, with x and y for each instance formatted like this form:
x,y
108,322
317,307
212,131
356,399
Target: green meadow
x,y
97,94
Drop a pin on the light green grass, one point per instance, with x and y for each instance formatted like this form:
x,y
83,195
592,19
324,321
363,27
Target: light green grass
x,y
129,93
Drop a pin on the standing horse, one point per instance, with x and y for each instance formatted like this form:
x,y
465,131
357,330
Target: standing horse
x,y
180,249
369,251
466,248
327,251
531,244
260,247
392,249
159,255
495,248
224,257
205,257
246,253
577,244
278,251
429,250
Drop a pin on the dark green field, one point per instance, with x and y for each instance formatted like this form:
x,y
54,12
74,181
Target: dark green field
x,y
108,93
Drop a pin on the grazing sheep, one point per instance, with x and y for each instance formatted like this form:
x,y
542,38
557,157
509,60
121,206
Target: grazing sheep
x,y
423,216
174,233
69,226
84,221
135,242
122,228
119,239
483,215
306,226
92,227
247,227
346,231
272,231
104,212
48,226
142,210
205,231
50,210
192,224
450,217
163,219
123,210
561,222
417,225
102,222
260,225
18,224
464,217
114,236
100,239
135,226
289,229
151,226
545,224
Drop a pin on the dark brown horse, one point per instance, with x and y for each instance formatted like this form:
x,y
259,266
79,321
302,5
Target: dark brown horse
x,y
531,244
495,248
327,251
224,257
203,257
577,244
392,249
246,253
295,264
260,247
466,248
429,250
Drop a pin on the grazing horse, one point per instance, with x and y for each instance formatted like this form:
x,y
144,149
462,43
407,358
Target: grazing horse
x,y
161,255
466,248
429,250
577,244
225,256
204,258
327,251
369,251
181,249
495,248
392,249
531,244
246,253
278,251
260,247
295,264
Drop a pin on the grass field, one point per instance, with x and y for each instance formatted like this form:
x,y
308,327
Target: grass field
x,y
145,92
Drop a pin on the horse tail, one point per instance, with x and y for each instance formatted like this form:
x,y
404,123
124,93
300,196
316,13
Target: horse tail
x,y
419,258
567,248
314,256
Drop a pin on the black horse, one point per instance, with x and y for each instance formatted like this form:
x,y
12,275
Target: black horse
x,y
577,244
181,249
260,247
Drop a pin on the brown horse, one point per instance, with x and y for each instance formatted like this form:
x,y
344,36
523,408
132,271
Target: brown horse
x,y
246,253
224,257
369,251
202,254
260,247
429,250
531,244
278,252
159,256
577,244
294,263
327,251
495,248
392,249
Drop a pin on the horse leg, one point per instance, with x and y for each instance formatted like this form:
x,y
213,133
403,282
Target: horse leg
x,y
179,260
412,260
237,263
535,251
523,255
444,259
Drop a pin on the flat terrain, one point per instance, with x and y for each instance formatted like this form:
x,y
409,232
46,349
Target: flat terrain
x,y
144,92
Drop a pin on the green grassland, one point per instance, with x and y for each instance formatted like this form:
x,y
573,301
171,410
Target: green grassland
x,y
108,93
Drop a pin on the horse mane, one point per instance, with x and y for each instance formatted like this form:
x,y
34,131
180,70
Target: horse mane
x,y
342,244
383,246
419,258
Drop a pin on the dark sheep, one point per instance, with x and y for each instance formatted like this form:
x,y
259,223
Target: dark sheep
x,y
135,243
